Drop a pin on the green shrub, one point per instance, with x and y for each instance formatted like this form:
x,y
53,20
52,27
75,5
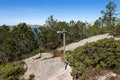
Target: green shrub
x,y
102,55
31,77
13,78
10,71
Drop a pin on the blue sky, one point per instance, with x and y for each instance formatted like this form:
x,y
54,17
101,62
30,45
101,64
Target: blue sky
x,y
13,12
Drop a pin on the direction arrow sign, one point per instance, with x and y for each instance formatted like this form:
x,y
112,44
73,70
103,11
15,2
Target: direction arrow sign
x,y
64,31
59,31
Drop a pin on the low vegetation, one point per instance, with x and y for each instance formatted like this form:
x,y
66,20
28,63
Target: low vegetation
x,y
11,71
116,31
31,77
57,53
101,55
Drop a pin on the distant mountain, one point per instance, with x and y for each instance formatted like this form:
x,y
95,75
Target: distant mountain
x,y
32,26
